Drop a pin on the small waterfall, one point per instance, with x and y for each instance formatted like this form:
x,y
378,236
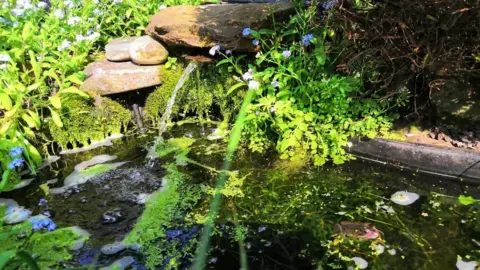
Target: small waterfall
x,y
168,109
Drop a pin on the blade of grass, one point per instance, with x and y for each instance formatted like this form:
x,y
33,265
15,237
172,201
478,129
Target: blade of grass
x,y
234,140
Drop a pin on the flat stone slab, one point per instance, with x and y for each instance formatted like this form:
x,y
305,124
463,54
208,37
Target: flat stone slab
x,y
447,162
118,49
222,24
105,77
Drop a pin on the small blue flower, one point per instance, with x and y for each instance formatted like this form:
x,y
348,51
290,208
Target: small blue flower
x,y
306,39
275,84
42,202
16,151
261,229
18,162
328,5
214,50
255,42
286,54
246,32
228,52
40,223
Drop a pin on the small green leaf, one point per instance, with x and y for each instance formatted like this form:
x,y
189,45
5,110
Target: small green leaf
x,y
466,200
233,88
74,90
5,102
55,100
56,118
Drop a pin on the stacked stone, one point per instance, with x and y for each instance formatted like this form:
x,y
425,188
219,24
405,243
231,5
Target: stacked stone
x,y
132,63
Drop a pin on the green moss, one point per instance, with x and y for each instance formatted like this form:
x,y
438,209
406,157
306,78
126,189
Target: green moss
x,y
47,248
84,123
165,210
207,88
157,101
52,247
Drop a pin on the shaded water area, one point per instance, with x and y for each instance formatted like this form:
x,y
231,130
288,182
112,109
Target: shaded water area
x,y
285,213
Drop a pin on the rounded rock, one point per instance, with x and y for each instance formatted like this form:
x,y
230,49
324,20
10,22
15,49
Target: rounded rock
x,y
147,51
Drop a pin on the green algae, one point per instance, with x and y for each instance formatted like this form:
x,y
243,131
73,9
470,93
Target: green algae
x,y
165,209
84,123
178,145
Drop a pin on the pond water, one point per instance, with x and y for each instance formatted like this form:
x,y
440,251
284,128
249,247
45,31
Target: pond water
x,y
281,215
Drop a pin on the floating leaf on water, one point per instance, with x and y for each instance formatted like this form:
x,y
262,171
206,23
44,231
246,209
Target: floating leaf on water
x,y
392,251
404,197
361,263
93,161
463,265
466,200
379,248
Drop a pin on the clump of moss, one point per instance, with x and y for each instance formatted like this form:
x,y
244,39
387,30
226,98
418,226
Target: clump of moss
x,y
47,248
179,145
165,210
157,101
84,123
206,88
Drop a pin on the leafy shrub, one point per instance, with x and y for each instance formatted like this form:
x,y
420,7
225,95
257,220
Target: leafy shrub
x,y
301,105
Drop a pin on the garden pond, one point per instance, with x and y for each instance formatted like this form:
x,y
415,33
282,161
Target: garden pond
x,y
147,212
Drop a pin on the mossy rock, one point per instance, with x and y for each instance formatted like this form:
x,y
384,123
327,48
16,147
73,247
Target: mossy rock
x,y
84,123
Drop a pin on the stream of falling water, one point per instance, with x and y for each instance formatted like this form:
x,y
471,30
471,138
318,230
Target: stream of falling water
x,y
171,101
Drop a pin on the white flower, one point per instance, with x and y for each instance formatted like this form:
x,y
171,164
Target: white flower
x,y
4,58
252,85
18,12
3,66
74,20
69,4
162,7
275,84
404,197
79,38
462,265
97,12
392,251
42,4
341,213
59,13
361,263
349,144
65,45
379,248
93,36
214,50
248,75
258,55
424,214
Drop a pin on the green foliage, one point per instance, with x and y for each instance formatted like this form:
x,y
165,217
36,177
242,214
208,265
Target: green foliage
x,y
301,105
162,211
84,123
46,249
181,146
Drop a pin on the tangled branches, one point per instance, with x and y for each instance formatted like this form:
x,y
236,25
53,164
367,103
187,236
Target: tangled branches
x,y
418,44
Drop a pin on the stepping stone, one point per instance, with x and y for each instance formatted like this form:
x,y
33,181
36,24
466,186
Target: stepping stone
x,y
105,77
119,49
147,51
209,25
